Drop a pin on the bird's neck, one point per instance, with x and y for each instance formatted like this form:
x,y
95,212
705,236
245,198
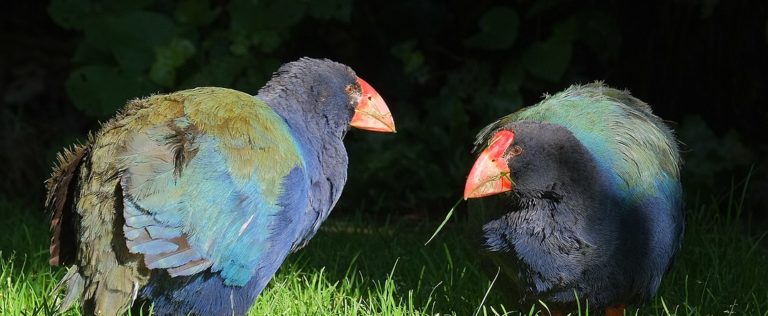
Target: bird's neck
x,y
318,138
565,209
322,149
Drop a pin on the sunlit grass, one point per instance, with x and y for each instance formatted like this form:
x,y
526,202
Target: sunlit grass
x,y
355,267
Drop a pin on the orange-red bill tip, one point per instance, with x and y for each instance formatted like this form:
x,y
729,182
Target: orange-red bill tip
x,y
490,174
371,112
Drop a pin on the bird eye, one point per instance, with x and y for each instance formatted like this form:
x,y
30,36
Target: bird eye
x,y
516,151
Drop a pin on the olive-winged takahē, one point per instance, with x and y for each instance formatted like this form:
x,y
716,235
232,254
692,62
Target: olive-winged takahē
x,y
192,200
592,204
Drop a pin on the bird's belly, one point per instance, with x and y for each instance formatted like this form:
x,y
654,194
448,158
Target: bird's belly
x,y
553,265
543,266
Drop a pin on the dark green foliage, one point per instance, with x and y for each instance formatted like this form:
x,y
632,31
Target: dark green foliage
x,y
445,68
548,59
432,150
711,157
498,29
131,49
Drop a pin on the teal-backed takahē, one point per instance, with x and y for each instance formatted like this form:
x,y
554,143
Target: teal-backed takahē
x,y
192,200
592,204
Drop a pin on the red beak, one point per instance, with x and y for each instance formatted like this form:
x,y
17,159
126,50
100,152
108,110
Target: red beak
x,y
490,174
371,113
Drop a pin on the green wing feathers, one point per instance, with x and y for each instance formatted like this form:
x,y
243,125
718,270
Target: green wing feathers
x,y
156,145
607,122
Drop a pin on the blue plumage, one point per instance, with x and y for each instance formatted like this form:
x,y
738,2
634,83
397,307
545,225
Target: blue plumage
x,y
169,203
192,200
595,207
208,293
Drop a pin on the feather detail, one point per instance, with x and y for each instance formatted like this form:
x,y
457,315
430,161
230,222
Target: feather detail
x,y
606,121
190,268
597,199
59,202
202,191
167,260
209,185
74,284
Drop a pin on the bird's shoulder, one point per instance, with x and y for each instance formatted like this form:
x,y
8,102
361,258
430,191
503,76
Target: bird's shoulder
x,y
242,127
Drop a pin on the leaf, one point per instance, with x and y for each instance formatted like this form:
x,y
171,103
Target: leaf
x,y
267,40
69,14
240,43
86,53
331,9
708,154
256,74
408,53
498,29
548,59
168,58
569,29
125,5
196,12
131,37
510,78
99,90
262,24
541,6
220,71
600,32
248,15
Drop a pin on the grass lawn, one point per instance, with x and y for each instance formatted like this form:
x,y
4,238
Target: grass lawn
x,y
353,267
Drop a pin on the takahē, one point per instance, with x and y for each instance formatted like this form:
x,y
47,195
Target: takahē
x,y
192,200
593,203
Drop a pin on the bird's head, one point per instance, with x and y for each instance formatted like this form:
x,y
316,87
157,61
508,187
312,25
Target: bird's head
x,y
333,93
527,157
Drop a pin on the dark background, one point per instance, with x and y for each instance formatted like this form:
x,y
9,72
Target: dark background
x,y
446,69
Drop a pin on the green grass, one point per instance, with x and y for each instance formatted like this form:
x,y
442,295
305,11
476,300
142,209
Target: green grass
x,y
353,267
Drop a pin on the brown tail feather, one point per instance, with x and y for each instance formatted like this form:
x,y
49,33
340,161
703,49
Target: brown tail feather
x,y
60,203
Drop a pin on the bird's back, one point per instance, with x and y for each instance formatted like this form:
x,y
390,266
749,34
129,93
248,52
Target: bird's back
x,y
177,162
625,137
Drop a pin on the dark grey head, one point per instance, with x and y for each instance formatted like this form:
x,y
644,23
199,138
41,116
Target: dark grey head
x,y
547,157
325,97
534,159
320,99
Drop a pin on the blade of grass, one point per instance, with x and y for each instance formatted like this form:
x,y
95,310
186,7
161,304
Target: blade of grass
x,y
447,217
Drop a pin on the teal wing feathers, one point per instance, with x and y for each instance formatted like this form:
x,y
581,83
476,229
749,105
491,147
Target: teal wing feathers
x,y
626,138
213,194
